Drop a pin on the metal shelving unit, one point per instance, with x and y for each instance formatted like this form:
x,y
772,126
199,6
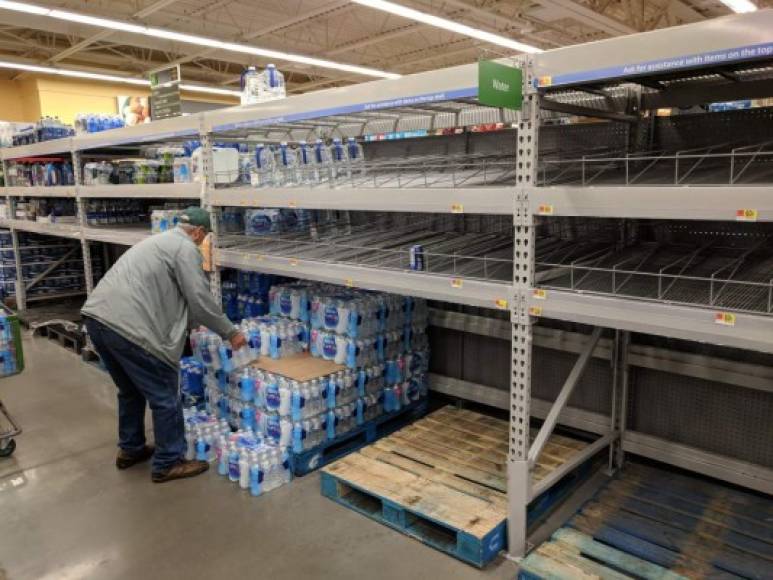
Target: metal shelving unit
x,y
554,184
710,285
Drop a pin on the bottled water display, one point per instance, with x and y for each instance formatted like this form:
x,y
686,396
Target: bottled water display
x,y
45,129
353,327
39,253
379,340
285,165
245,294
162,220
114,212
96,122
264,222
42,173
244,457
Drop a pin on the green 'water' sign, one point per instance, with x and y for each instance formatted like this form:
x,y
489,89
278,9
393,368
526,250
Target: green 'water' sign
x,y
499,85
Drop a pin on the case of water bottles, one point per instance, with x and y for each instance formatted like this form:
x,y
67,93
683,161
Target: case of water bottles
x,y
96,122
243,456
45,129
245,294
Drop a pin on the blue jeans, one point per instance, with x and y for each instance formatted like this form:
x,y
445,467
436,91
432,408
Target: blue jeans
x,y
142,377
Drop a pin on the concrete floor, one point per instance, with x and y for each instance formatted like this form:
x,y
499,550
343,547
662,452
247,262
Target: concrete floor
x,y
67,513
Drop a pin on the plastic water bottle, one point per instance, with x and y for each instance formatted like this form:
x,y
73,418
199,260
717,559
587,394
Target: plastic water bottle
x,y
272,85
244,472
256,477
233,463
306,169
355,157
322,162
265,167
250,86
339,160
287,163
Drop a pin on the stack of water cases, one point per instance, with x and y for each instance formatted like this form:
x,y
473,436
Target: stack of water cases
x,y
37,254
380,338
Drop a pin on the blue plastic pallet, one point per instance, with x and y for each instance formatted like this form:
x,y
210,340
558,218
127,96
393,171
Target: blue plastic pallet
x,y
441,480
312,459
653,523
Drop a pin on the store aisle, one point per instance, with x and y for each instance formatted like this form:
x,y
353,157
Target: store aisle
x,y
67,513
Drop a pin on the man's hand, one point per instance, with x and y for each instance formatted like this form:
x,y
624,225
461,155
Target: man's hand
x,y
238,340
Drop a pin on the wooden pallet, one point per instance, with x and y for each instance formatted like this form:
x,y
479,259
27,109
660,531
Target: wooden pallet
x,y
441,480
70,340
652,523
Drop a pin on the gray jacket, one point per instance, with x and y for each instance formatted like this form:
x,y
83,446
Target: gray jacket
x,y
154,293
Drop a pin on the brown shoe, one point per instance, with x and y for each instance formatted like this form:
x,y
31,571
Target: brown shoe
x,y
181,470
125,460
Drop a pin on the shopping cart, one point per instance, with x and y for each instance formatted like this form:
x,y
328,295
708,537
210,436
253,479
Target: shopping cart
x,y
11,363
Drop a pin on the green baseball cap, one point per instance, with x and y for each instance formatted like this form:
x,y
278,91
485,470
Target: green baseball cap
x,y
196,216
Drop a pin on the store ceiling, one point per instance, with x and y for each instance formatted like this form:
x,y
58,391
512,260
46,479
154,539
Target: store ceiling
x,y
337,30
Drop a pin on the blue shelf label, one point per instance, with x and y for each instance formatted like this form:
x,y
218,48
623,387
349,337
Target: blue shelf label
x,y
699,60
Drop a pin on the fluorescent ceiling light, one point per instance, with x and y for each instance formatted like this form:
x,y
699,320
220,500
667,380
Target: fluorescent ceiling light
x,y
740,6
446,24
78,74
119,25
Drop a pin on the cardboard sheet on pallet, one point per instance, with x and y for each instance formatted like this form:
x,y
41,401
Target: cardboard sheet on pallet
x,y
298,367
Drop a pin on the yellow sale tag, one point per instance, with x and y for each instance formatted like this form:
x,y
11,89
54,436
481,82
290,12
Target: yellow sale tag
x,y
535,310
725,318
456,282
545,209
349,282
747,215
545,81
457,208
291,204
501,303
293,262
540,294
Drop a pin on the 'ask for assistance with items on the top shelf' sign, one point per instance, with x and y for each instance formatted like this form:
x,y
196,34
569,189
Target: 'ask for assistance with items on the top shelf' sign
x,y
499,85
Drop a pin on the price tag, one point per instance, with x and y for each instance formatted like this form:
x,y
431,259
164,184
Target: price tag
x,y
293,262
747,215
243,202
724,318
456,282
457,208
545,81
535,310
540,294
258,257
349,282
501,303
545,209
292,204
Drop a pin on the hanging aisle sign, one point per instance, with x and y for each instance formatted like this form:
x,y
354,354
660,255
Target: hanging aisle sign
x,y
165,93
499,85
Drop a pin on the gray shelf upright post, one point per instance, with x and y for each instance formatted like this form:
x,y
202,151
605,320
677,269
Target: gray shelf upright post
x,y
207,184
518,472
88,271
